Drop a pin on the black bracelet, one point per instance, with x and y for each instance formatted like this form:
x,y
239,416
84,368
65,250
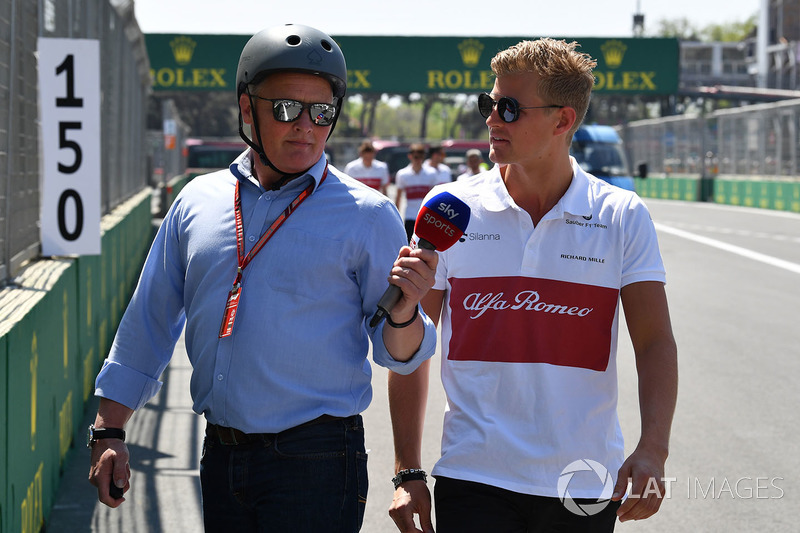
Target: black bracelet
x,y
402,324
409,474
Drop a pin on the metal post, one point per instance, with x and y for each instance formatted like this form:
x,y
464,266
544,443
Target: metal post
x,y
762,36
12,62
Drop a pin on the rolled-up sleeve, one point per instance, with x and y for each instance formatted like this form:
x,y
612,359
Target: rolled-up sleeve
x,y
426,349
125,385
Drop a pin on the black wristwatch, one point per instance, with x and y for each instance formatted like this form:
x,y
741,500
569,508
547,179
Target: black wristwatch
x,y
409,474
96,434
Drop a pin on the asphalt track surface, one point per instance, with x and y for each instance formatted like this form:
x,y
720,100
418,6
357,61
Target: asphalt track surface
x,y
733,283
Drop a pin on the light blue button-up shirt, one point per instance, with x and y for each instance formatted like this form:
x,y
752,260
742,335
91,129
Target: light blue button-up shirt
x,y
301,337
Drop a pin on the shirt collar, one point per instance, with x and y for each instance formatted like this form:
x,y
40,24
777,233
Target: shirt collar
x,y
242,168
576,201
496,197
578,198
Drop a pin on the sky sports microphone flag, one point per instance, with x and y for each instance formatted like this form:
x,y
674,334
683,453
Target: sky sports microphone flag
x,y
440,223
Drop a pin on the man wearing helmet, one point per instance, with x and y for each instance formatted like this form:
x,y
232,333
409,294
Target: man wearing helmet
x,y
279,356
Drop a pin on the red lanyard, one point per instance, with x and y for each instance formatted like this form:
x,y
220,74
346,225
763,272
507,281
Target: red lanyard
x,y
243,260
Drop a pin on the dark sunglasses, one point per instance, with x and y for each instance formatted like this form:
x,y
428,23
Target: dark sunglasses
x,y
286,110
508,108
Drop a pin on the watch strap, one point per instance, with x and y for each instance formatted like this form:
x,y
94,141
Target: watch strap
x,y
106,433
409,474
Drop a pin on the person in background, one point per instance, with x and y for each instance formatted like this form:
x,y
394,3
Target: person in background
x,y
414,181
367,169
435,161
274,266
529,323
474,160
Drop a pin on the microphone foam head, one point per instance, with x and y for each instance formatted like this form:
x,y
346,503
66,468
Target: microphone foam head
x,y
442,220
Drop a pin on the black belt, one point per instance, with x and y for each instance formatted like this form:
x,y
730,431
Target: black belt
x,y
232,436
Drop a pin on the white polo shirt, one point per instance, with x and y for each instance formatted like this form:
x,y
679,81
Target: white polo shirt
x,y
443,172
375,176
416,185
529,332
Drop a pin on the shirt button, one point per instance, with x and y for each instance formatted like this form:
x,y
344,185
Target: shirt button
x,y
219,377
251,238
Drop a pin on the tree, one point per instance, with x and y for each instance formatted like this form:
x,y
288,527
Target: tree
x,y
730,31
427,100
683,29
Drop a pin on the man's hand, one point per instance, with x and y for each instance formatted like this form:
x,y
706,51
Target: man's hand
x,y
110,466
410,498
645,471
414,272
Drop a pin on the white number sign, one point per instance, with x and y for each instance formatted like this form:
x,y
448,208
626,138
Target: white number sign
x,y
69,96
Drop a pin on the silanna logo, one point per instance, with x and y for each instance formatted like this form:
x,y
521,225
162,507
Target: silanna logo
x,y
475,236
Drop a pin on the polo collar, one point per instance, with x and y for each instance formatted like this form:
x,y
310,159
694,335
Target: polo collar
x,y
576,201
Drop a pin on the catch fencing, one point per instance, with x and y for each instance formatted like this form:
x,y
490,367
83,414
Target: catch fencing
x,y
756,142
125,85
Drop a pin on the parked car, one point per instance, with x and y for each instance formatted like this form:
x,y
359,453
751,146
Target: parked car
x,y
456,151
395,153
207,155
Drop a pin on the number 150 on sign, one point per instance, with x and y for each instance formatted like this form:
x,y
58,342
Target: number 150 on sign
x,y
69,95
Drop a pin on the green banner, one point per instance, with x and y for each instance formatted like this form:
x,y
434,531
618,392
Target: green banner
x,y
415,64
43,375
4,430
686,189
778,195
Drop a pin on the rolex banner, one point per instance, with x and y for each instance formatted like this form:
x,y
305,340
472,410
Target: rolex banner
x,y
402,65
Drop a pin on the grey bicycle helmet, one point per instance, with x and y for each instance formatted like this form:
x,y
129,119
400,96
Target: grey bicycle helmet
x,y
292,47
289,48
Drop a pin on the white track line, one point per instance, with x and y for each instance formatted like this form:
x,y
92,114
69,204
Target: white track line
x,y
744,252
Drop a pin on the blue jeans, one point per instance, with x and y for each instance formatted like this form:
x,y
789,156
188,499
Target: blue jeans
x,y
312,479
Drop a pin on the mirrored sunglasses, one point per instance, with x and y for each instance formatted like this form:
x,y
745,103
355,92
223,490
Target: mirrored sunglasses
x,y
507,108
287,110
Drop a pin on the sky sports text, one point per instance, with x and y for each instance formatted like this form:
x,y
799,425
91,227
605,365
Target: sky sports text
x,y
447,210
441,225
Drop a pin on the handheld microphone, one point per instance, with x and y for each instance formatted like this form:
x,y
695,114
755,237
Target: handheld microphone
x,y
440,223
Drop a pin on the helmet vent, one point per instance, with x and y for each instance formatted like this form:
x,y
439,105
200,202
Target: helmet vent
x,y
326,45
293,40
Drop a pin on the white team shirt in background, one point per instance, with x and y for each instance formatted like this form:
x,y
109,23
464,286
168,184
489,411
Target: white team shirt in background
x,y
443,172
375,176
416,185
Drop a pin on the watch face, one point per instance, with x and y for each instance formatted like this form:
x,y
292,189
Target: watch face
x,y
90,436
